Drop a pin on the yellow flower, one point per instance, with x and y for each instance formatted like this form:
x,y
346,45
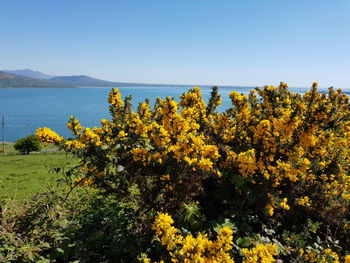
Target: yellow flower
x,y
190,248
247,162
89,136
47,135
260,253
115,98
74,144
139,154
304,201
165,177
122,134
284,204
270,209
84,181
74,125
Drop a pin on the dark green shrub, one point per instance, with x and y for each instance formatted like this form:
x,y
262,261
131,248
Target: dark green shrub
x,y
27,144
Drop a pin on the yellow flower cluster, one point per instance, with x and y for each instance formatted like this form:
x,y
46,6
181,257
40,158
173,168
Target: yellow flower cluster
x,y
193,249
175,134
201,249
273,204
304,201
144,111
284,204
74,125
122,134
275,139
115,98
83,181
247,162
287,138
74,144
90,136
261,253
140,154
47,135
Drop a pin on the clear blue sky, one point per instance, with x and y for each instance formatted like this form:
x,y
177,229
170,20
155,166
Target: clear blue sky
x,y
245,42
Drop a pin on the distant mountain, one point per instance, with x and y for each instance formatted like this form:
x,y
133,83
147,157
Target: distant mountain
x,y
83,80
4,75
29,73
29,78
8,80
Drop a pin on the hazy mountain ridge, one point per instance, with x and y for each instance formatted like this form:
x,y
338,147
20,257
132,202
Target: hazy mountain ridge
x,y
83,80
8,80
29,73
24,78
29,78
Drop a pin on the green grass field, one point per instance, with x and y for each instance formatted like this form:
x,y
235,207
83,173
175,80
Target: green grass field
x,y
9,150
23,175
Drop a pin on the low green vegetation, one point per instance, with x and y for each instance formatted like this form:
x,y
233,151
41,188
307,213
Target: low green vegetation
x,y
7,149
81,227
23,175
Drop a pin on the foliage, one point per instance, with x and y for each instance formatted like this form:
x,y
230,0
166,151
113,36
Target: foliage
x,y
272,163
85,227
27,144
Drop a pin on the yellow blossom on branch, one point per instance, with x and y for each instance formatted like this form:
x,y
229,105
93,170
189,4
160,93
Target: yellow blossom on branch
x,y
261,253
190,248
115,98
47,135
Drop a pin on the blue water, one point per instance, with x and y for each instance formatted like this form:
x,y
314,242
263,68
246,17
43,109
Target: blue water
x,y
26,109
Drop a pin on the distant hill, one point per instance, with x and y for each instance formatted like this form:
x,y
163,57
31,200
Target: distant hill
x,y
83,80
28,78
29,73
4,75
8,80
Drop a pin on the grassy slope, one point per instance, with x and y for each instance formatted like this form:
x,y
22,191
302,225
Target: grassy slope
x,y
8,149
22,175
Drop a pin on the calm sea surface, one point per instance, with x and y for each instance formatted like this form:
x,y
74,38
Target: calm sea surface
x,y
26,109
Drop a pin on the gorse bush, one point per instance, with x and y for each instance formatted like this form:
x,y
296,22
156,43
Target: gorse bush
x,y
275,160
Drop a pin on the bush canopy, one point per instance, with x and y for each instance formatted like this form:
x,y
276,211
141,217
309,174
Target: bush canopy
x,y
273,169
27,144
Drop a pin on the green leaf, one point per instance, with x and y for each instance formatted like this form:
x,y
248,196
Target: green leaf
x,y
62,222
227,222
243,242
60,250
237,180
45,244
104,147
31,255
